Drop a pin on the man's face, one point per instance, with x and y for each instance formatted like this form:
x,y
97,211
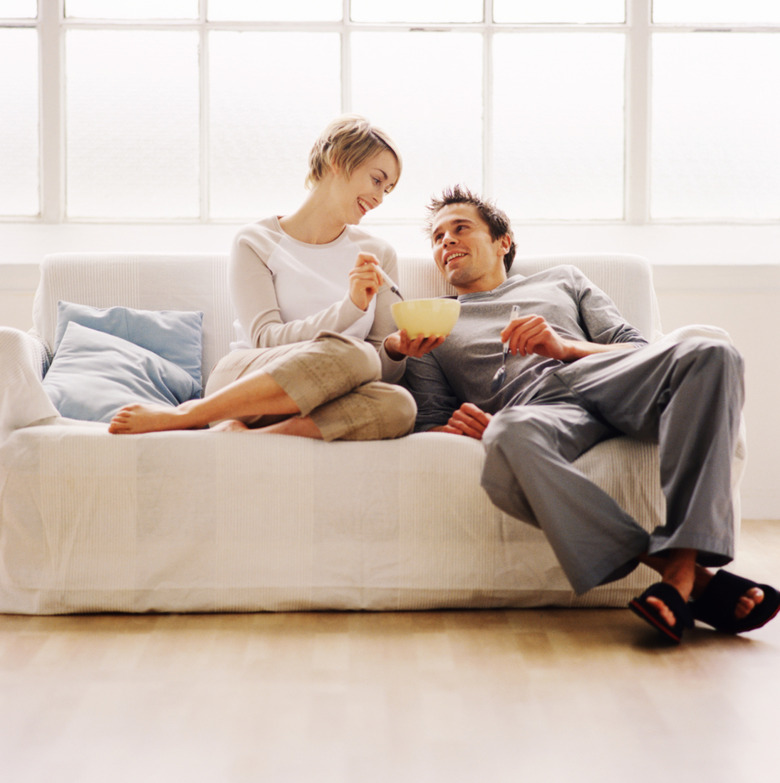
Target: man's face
x,y
465,253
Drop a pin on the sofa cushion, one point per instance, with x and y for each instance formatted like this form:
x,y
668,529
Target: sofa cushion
x,y
175,335
94,373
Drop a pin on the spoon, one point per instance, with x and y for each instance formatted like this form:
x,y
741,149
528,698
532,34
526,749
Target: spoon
x,y
389,281
498,379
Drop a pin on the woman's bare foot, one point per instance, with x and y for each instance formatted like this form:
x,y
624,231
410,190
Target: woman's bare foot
x,y
302,426
230,425
137,418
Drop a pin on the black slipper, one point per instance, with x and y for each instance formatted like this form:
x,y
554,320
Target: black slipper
x,y
716,605
673,601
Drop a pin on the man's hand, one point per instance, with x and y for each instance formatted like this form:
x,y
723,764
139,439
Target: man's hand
x,y
467,420
399,344
532,334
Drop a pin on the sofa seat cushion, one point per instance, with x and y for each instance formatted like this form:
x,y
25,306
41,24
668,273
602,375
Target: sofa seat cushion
x,y
204,521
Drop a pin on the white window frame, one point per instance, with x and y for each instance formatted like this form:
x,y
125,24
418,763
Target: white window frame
x,y
637,28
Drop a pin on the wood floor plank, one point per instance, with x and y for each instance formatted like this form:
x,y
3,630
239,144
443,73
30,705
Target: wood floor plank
x,y
429,697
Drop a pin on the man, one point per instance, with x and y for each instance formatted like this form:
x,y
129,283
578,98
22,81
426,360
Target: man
x,y
579,374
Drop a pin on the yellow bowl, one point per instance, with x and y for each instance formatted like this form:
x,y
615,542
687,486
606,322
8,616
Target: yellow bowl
x,y
427,317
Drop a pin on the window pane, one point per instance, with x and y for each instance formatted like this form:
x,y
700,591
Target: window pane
x,y
563,11
436,121
132,9
716,11
18,9
716,125
274,11
263,128
19,137
417,11
558,125
132,124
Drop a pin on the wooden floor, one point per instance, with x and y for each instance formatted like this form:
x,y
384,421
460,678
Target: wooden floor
x,y
529,695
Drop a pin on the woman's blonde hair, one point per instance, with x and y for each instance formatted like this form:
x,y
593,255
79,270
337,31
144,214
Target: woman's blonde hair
x,y
346,143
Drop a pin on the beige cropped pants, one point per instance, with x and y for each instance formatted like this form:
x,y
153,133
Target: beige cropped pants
x,y
332,378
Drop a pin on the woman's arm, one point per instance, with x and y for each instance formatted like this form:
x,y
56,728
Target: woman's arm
x,y
254,297
384,325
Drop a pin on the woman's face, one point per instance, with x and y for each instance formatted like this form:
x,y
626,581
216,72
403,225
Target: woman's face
x,y
365,188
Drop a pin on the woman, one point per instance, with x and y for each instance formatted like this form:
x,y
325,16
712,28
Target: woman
x,y
317,353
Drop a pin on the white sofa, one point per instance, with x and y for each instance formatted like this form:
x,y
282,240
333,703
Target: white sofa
x,y
198,521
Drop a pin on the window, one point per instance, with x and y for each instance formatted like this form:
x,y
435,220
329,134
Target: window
x,y
132,123
567,110
19,128
715,125
558,124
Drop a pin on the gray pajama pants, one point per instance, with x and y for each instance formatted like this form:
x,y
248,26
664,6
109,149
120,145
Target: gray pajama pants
x,y
685,396
332,378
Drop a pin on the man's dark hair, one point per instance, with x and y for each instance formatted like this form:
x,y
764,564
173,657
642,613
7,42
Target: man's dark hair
x,y
496,219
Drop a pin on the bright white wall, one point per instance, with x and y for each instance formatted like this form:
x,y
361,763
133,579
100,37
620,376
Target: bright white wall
x,y
723,275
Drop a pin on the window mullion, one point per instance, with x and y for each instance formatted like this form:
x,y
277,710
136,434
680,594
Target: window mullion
x,y
346,58
487,98
205,88
638,85
52,87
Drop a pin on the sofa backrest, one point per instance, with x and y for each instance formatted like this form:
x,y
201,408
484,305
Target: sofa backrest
x,y
626,278
199,282
146,281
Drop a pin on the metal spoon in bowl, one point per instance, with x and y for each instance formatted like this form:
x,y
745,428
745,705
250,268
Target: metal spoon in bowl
x,y
498,379
389,281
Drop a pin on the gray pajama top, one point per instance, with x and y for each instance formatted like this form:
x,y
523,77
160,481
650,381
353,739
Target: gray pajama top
x,y
461,369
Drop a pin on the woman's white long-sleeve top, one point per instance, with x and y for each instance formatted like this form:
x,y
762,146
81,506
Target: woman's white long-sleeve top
x,y
286,291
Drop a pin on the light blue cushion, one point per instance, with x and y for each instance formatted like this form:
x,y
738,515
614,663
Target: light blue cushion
x,y
176,335
94,373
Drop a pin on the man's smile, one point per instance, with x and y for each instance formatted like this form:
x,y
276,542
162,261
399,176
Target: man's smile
x,y
451,256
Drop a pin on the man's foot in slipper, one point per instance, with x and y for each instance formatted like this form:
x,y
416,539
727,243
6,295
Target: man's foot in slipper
x,y
733,604
752,596
664,608
664,605
666,614
745,605
747,602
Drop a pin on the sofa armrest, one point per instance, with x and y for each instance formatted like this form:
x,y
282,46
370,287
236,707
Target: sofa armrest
x,y
23,400
697,330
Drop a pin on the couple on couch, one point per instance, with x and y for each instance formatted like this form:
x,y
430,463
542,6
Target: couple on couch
x,y
314,360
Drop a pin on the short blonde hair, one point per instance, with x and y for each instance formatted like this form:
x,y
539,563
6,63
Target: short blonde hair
x,y
347,142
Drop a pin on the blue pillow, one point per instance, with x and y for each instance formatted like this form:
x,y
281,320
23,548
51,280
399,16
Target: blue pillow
x,y
93,374
175,335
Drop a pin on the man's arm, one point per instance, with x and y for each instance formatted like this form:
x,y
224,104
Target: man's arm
x,y
436,401
532,334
